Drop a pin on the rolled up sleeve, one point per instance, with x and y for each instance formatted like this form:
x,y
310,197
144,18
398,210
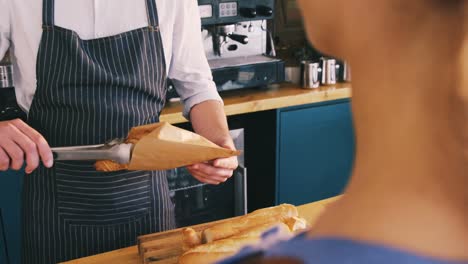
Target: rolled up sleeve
x,y
189,69
5,27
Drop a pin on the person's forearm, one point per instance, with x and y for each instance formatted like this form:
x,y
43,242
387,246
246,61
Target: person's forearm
x,y
209,120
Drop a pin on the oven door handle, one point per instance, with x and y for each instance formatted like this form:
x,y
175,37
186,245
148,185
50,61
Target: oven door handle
x,y
240,191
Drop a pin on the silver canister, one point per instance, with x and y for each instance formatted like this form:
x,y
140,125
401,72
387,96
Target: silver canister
x,y
310,74
343,72
346,72
6,76
328,71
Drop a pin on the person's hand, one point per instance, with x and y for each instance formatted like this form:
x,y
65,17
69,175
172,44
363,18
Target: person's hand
x,y
217,171
18,143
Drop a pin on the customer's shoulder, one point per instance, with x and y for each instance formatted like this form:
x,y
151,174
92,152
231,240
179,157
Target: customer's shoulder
x,y
340,250
329,250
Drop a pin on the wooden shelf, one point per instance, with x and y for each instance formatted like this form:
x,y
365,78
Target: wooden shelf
x,y
254,100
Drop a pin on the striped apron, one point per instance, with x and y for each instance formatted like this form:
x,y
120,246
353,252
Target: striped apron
x,y
88,92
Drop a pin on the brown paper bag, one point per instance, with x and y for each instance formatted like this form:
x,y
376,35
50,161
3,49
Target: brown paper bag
x,y
162,146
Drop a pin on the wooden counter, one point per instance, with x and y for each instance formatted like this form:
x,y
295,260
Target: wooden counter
x,y
254,100
130,255
242,102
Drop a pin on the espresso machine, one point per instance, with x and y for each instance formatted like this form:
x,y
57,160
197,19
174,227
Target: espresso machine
x,y
9,108
238,44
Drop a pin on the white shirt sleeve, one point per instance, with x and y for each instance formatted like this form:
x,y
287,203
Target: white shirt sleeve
x,y
4,27
189,69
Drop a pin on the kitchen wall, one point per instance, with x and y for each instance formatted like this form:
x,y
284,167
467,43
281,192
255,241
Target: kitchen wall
x,y
291,42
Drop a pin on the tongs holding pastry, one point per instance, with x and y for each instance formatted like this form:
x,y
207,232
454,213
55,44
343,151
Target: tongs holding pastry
x,y
115,150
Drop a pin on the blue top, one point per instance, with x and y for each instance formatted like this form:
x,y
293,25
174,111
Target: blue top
x,y
333,251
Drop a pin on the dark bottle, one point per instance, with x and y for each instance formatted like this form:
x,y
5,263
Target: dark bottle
x,y
9,108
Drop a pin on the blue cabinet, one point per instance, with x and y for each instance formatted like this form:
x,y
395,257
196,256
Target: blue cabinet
x,y
3,247
10,222
315,151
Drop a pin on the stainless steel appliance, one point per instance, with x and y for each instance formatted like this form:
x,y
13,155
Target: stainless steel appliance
x,y
329,71
9,109
310,74
238,44
6,75
196,202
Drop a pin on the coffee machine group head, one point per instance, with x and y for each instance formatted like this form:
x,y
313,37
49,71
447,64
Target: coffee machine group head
x,y
237,43
222,37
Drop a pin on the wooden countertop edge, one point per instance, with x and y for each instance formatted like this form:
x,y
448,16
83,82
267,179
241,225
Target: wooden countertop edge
x,y
286,101
129,255
249,101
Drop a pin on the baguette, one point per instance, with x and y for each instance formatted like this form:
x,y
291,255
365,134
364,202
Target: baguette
x,y
212,252
296,224
176,148
220,249
191,239
109,166
257,231
135,134
269,215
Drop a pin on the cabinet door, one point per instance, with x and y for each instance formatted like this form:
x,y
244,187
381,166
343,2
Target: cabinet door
x,y
3,247
10,204
315,151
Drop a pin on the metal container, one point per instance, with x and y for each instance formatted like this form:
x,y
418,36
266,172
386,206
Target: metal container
x,y
6,76
346,72
328,71
293,74
310,74
343,71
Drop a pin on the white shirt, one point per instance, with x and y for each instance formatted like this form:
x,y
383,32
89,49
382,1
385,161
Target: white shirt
x,y
21,29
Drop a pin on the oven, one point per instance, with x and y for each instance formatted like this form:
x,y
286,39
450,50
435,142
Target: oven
x,y
196,202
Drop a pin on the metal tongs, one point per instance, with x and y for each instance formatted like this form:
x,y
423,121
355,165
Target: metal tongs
x,y
115,150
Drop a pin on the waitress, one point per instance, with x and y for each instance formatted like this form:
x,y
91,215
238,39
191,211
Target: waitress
x,y
86,72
